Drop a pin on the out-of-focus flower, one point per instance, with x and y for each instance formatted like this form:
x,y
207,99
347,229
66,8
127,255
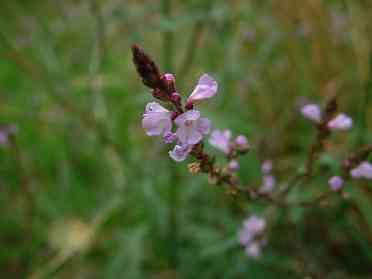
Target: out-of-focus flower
x,y
312,112
180,152
242,143
191,127
221,140
267,167
253,249
336,183
206,88
156,120
250,235
5,132
268,184
340,122
233,166
364,170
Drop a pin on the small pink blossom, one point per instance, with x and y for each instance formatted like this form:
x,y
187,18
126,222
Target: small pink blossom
x,y
340,122
180,152
336,183
221,140
206,88
233,166
267,167
312,112
268,184
242,142
191,127
364,170
156,120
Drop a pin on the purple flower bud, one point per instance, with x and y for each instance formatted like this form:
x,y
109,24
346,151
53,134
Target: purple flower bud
x,y
206,88
336,183
312,112
364,170
242,143
156,120
267,167
175,98
221,140
268,184
169,137
233,166
191,127
340,122
180,152
169,77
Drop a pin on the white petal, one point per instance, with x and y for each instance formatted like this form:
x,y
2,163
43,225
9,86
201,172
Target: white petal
x,y
155,107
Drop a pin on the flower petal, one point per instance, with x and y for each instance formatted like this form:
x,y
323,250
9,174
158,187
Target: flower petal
x,y
190,115
204,126
206,88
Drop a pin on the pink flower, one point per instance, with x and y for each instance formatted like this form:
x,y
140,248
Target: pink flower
x,y
268,184
205,89
250,236
180,152
221,140
267,167
340,122
312,112
169,137
191,127
364,170
233,166
336,183
156,120
242,143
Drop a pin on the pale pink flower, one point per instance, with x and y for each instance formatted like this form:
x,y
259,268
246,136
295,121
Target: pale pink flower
x,y
364,170
336,183
268,184
267,167
233,166
180,152
191,127
340,122
250,236
206,88
156,120
312,112
221,140
242,143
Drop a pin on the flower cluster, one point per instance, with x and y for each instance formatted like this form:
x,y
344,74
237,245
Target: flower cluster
x,y
268,179
340,122
191,127
182,124
251,236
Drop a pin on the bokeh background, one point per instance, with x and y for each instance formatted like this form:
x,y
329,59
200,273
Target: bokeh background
x,y
85,194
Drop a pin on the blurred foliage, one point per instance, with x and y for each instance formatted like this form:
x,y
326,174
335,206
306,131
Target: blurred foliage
x,y
88,195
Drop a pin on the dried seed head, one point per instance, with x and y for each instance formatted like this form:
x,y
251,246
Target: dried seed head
x,y
146,68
